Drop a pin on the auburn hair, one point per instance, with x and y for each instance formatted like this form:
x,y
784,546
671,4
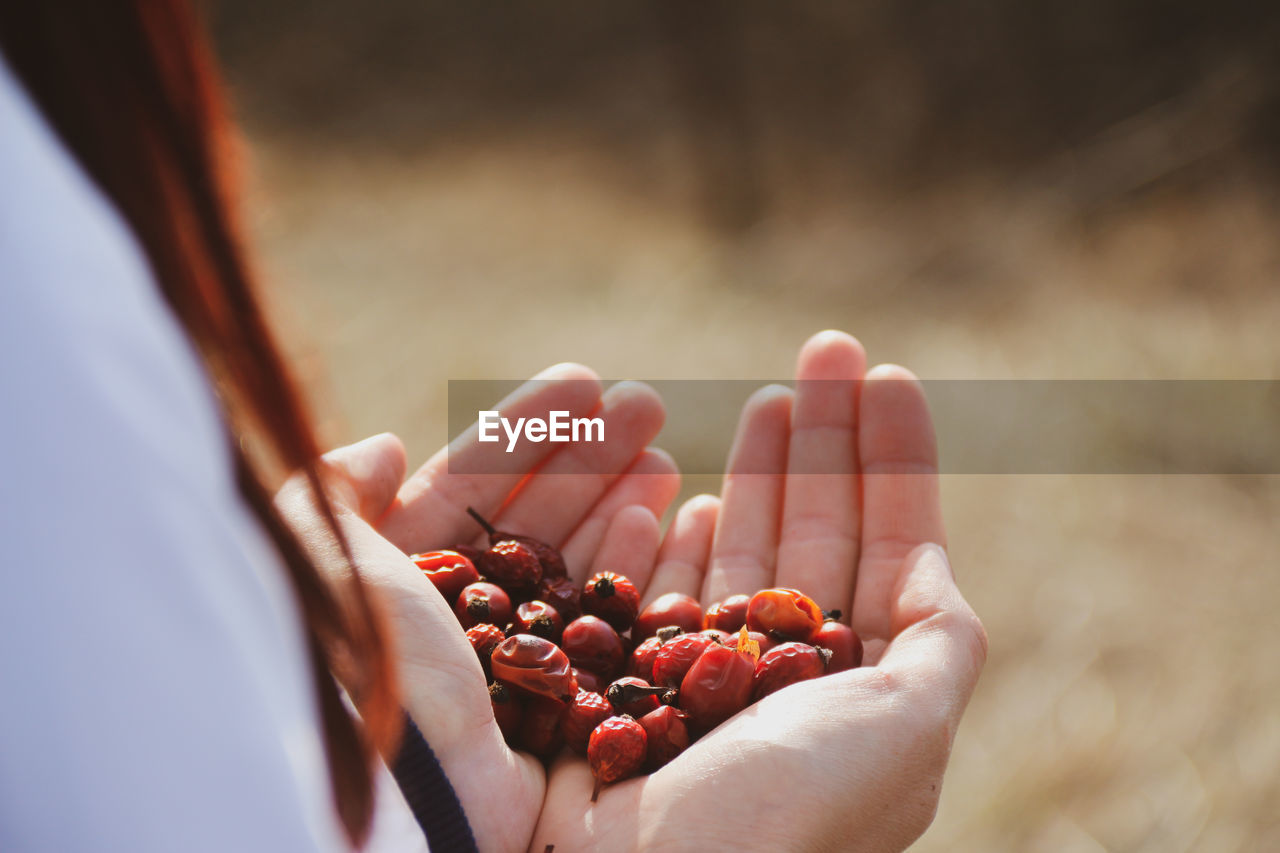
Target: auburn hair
x,y
131,88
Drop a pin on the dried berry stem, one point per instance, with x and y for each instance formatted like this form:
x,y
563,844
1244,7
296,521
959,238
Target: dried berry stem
x,y
595,792
625,694
482,521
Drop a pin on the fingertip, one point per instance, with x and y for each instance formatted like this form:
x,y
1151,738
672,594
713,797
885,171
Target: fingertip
x,y
831,354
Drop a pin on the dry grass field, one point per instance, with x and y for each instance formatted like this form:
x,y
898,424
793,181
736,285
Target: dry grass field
x,y
1132,698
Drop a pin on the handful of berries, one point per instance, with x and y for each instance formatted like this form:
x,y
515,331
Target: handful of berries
x,y
629,689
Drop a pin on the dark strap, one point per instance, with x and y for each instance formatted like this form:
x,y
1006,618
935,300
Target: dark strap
x,y
430,796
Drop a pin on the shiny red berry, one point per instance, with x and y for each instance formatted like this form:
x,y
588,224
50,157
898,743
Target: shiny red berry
x,y
588,680
717,686
676,656
449,571
642,658
563,595
764,642
538,618
535,666
484,639
634,697
506,711
513,566
666,735
721,637
674,608
551,560
587,710
540,728
483,602
592,644
786,665
613,598
843,643
728,615
616,750
784,614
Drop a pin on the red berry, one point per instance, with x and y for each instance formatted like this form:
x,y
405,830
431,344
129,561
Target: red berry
x,y
506,711
513,566
785,665
676,656
563,595
484,639
540,729
784,614
540,619
591,644
717,686
449,571
534,665
666,735
616,750
588,680
641,662
764,642
613,598
845,646
674,608
721,637
633,696
587,710
728,615
551,560
483,602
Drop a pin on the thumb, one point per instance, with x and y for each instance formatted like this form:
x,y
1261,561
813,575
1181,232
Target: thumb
x,y
939,645
365,477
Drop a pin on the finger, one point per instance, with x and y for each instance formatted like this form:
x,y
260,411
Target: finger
x,y
939,645
682,560
364,477
430,510
744,551
652,481
901,506
630,545
818,551
552,502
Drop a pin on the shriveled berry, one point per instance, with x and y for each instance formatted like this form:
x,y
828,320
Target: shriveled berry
x,y
587,710
483,602
613,598
616,750
538,618
634,697
844,644
484,639
666,735
641,661
717,686
592,644
448,571
513,566
562,594
674,658
548,556
784,614
506,711
588,680
764,642
674,608
534,665
540,729
728,615
785,665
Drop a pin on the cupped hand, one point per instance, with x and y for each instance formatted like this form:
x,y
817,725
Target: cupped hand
x,y
592,501
832,489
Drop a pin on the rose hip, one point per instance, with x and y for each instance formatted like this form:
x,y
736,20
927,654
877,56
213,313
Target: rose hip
x,y
728,615
764,642
538,618
675,657
506,711
513,566
641,662
534,665
633,696
721,637
784,614
551,560
449,571
616,750
588,680
563,595
540,729
587,710
666,735
786,665
843,643
674,608
613,598
717,686
592,644
483,602
484,639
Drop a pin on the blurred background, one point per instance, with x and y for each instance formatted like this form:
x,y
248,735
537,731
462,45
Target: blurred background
x,y
977,189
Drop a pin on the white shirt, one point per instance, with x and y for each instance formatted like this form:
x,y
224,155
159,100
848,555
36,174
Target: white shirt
x,y
154,691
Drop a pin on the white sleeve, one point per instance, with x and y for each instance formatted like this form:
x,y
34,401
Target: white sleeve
x,y
154,691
